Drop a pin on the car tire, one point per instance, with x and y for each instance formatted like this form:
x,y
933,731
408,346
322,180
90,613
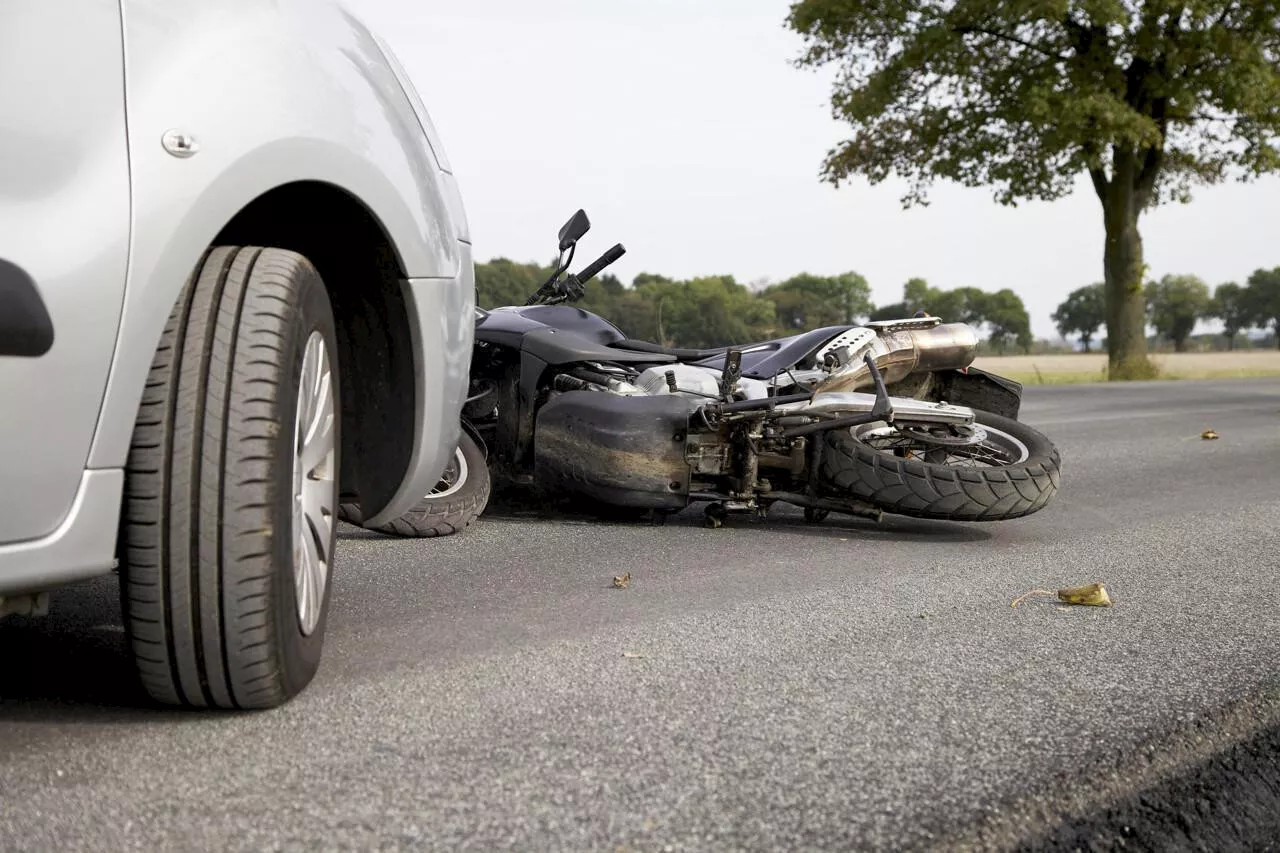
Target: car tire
x,y
228,541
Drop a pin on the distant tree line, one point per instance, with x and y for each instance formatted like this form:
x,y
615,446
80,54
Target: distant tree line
x,y
716,310
1174,305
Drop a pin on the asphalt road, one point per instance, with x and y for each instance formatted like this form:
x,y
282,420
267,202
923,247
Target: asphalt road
x,y
767,686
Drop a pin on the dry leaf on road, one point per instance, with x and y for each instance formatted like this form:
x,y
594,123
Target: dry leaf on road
x,y
1093,595
621,581
1209,435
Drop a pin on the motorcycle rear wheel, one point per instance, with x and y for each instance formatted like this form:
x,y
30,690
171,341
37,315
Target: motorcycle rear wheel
x,y
1003,470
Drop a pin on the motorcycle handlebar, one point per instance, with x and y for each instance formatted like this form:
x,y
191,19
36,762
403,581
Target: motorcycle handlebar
x,y
593,268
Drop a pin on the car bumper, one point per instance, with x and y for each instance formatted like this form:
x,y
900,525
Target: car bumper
x,y
442,319
82,546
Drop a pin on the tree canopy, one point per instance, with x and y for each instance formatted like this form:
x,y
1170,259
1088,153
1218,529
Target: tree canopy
x,y
1230,304
1176,303
1082,313
1146,97
1264,299
713,311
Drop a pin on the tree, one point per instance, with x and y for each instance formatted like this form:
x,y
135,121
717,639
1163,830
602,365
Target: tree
x,y
1176,303
1007,320
505,282
895,311
915,293
1082,313
962,305
808,301
1146,97
1263,295
1230,304
714,311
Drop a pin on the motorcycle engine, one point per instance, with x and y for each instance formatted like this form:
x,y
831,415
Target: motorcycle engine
x,y
694,381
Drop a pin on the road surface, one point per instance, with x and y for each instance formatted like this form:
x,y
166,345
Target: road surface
x,y
768,686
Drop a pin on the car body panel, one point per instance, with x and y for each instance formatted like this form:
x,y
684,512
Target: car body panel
x,y
267,107
270,93
64,220
81,547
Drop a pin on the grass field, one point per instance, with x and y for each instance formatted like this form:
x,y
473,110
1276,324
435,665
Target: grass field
x,y
1077,368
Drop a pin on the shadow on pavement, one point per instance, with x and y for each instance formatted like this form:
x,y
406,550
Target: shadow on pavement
x,y
1231,801
783,519
74,664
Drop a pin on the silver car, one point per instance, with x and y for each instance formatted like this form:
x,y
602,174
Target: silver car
x,y
236,288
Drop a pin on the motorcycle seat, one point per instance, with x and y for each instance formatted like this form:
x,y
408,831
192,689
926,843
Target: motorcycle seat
x,y
678,353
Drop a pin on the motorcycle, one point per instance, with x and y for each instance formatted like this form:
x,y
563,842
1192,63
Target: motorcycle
x,y
883,417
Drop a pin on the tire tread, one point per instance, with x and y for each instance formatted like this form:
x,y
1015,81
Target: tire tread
x,y
926,490
199,492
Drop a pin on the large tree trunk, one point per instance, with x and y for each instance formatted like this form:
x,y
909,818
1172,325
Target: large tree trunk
x,y
1126,312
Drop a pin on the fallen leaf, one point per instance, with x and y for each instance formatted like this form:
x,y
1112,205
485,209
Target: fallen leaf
x,y
1208,435
1093,595
621,581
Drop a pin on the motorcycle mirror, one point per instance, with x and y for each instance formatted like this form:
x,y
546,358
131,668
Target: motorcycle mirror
x,y
573,230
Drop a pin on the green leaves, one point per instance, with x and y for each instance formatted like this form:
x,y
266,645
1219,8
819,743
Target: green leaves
x,y
1263,298
1024,95
1082,313
1231,305
1176,302
809,301
1002,313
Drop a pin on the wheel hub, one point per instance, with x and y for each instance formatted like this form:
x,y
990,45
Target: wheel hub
x,y
314,483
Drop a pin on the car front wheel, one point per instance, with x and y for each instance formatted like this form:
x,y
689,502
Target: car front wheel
x,y
231,487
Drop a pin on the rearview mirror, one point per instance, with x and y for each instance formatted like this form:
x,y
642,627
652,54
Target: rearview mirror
x,y
573,230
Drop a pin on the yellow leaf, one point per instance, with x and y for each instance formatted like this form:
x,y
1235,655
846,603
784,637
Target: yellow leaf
x,y
621,581
1093,595
1208,435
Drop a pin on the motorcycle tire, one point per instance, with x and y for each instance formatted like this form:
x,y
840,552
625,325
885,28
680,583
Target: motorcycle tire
x,y
457,500
875,463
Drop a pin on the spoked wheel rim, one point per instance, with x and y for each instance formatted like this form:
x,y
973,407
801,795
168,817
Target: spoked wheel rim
x,y
453,478
315,494
972,446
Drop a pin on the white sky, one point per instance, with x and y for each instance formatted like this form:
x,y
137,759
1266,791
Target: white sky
x,y
685,132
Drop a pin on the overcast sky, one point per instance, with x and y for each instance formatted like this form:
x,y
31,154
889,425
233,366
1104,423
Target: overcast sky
x,y
684,130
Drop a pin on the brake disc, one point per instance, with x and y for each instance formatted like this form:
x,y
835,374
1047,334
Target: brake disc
x,y
956,436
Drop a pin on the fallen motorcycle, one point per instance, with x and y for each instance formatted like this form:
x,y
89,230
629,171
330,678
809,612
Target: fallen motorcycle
x,y
884,417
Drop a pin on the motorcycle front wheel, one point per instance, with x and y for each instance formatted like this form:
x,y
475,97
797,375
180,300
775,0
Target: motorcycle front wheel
x,y
995,470
452,505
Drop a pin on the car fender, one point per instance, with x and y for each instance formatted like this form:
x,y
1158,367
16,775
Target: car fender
x,y
262,95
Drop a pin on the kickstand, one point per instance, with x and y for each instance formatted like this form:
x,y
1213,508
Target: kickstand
x,y
883,407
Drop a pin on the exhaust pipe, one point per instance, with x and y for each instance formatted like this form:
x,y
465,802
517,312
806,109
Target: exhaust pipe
x,y
899,348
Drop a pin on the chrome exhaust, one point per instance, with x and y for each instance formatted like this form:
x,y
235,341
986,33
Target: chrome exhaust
x,y
899,349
